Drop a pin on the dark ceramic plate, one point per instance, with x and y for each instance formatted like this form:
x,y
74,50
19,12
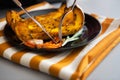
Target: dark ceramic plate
x,y
92,28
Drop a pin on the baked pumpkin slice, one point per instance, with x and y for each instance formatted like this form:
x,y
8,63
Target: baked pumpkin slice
x,y
31,34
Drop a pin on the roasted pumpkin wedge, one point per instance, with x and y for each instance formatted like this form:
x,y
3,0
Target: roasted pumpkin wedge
x,y
26,29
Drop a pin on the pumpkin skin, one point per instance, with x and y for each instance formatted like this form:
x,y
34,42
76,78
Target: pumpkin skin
x,y
26,29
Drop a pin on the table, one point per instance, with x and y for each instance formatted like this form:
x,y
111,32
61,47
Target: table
x,y
107,70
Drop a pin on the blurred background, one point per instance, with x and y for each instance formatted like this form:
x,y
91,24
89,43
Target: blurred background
x,y
10,3
6,5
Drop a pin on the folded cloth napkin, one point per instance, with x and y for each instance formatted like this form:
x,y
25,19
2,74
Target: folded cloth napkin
x,y
75,64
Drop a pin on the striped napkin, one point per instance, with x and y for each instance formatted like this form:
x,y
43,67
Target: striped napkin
x,y
75,64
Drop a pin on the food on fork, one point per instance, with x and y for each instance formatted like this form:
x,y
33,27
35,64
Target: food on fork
x,y
32,36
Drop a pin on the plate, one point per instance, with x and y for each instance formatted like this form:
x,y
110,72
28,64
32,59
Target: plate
x,y
92,28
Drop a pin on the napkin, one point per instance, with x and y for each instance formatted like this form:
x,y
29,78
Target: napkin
x,y
74,64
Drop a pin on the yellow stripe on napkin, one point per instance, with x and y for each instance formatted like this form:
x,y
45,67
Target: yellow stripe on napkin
x,y
35,61
1,33
3,47
17,56
106,24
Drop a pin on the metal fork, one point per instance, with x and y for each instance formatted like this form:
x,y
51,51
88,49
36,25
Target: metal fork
x,y
63,17
20,5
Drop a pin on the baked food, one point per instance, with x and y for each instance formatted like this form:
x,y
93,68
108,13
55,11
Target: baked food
x,y
27,30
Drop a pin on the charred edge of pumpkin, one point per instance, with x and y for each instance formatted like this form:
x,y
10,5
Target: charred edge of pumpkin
x,y
12,17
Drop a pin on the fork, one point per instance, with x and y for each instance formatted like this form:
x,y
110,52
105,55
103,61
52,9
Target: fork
x,y
66,13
